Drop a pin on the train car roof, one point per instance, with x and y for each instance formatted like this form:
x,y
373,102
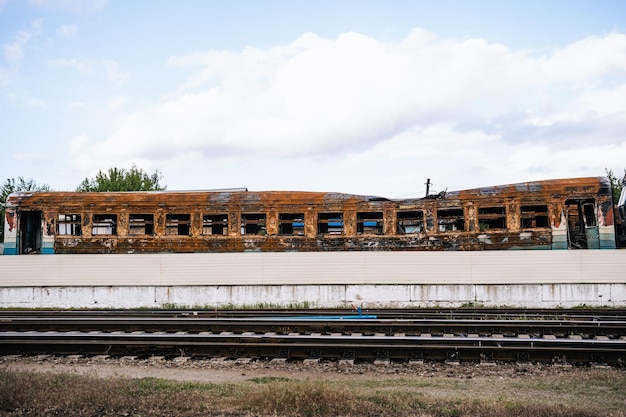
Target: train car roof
x,y
600,185
585,185
550,187
241,196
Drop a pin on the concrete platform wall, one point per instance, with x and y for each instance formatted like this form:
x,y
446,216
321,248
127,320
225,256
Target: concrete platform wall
x,y
320,296
533,279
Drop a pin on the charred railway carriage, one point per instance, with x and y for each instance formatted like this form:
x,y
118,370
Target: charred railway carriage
x,y
551,214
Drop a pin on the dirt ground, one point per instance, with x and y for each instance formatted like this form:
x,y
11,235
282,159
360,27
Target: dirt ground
x,y
229,371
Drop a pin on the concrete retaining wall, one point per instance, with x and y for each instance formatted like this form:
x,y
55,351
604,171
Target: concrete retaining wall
x,y
534,279
331,296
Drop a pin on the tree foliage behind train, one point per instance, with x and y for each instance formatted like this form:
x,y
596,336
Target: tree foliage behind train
x,y
116,179
11,185
616,183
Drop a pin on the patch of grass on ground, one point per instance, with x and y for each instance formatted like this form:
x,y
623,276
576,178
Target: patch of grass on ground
x,y
585,394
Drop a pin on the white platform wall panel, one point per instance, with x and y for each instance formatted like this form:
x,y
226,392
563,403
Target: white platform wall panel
x,y
266,268
542,279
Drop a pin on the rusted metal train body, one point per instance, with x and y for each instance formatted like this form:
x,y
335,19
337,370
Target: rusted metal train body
x,y
551,214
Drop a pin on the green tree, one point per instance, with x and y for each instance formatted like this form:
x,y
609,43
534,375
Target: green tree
x,y
616,183
117,179
12,186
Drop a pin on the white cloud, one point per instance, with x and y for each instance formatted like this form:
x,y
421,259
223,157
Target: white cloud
x,y
605,101
67,31
82,66
108,69
13,52
590,57
116,103
26,100
465,110
32,156
113,72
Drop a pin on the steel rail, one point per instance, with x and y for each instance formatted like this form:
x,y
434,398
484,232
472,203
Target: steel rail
x,y
410,327
319,346
402,336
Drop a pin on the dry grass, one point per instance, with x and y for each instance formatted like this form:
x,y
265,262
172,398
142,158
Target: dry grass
x,y
589,393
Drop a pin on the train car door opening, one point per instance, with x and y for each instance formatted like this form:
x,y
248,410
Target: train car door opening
x,y
582,225
30,233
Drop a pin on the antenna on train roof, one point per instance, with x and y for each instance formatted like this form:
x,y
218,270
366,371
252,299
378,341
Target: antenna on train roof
x,y
441,194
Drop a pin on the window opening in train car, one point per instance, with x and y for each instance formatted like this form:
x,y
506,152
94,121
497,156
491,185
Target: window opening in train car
x,y
589,210
491,218
369,223
291,224
575,221
69,225
330,223
178,224
534,216
215,224
450,219
141,224
30,234
104,224
581,223
253,224
409,222
581,213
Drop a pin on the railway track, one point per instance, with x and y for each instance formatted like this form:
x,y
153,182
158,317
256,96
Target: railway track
x,y
557,336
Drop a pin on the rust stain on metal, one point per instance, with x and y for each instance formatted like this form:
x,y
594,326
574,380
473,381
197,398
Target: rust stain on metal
x,y
10,219
522,215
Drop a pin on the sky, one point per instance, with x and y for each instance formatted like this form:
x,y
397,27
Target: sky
x,y
356,96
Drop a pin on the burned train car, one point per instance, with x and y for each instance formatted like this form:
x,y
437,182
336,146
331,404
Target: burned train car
x,y
551,214
621,216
